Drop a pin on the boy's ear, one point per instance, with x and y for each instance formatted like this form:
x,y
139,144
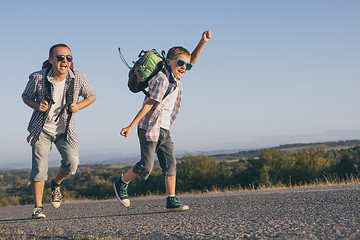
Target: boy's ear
x,y
168,62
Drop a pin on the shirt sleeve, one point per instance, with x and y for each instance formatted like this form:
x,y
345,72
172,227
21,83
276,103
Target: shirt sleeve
x,y
86,90
30,89
158,86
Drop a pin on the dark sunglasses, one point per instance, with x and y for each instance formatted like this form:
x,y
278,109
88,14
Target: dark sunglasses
x,y
60,58
181,63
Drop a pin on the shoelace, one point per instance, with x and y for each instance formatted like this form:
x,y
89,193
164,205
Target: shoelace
x,y
56,194
123,191
175,201
38,210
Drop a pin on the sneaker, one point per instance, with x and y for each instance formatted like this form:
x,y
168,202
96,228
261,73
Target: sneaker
x,y
173,204
38,213
56,196
121,192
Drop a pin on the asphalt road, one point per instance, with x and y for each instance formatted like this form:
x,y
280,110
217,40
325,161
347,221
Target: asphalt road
x,y
300,213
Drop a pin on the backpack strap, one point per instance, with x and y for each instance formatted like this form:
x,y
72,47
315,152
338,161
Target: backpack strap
x,y
69,101
168,74
146,93
48,96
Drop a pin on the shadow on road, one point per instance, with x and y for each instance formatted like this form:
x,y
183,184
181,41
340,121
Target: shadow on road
x,y
3,221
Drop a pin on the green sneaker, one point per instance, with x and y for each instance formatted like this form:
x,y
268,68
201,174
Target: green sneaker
x,y
121,192
173,204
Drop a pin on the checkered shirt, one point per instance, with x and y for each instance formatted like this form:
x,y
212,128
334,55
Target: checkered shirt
x,y
151,122
35,90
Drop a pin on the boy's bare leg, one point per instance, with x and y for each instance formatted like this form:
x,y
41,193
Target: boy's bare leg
x,y
129,176
38,191
62,174
173,203
170,183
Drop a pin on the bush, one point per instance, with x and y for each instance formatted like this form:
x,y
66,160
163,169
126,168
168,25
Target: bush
x,y
196,173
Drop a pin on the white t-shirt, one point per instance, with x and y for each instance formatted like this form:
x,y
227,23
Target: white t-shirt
x,y
166,114
50,125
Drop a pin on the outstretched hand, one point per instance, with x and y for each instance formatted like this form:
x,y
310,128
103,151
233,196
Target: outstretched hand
x,y
206,36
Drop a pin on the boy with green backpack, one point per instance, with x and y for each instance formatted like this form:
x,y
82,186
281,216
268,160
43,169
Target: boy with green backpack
x,y
154,119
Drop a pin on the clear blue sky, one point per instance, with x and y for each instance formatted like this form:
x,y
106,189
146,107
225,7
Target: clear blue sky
x,y
275,72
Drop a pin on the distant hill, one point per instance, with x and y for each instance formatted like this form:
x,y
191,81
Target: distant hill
x,y
289,148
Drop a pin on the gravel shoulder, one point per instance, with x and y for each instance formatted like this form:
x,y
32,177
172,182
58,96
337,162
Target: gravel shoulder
x,y
296,213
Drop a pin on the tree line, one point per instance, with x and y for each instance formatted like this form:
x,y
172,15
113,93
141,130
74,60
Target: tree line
x,y
197,173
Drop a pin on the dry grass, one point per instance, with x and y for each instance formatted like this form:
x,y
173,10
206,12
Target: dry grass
x,y
328,181
19,234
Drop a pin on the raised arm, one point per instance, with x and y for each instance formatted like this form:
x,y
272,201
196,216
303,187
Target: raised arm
x,y
206,36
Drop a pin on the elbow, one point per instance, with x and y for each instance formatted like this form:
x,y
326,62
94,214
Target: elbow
x,y
92,100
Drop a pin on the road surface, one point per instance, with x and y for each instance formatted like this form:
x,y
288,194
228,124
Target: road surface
x,y
298,213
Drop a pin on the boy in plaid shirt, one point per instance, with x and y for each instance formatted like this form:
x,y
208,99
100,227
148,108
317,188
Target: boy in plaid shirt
x,y
154,119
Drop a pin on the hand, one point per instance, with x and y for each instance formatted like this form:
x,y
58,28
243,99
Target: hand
x,y
43,106
206,36
126,131
73,108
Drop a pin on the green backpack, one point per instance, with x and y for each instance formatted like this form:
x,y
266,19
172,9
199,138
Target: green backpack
x,y
147,66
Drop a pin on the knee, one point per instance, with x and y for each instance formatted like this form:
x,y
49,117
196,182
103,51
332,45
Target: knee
x,y
38,174
170,170
71,164
143,170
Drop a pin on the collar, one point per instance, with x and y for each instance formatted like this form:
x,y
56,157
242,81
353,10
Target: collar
x,y
70,75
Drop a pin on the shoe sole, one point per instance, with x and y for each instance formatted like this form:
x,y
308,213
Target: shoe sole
x,y
56,204
39,217
119,199
179,209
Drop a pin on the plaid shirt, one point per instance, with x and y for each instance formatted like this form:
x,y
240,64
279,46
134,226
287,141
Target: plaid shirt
x,y
151,122
35,90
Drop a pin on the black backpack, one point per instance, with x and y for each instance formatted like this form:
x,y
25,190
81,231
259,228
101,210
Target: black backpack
x,y
69,95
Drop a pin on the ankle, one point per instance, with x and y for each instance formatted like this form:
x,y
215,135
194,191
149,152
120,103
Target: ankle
x,y
122,179
53,183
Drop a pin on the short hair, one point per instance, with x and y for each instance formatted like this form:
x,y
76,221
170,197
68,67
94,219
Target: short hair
x,y
52,49
177,50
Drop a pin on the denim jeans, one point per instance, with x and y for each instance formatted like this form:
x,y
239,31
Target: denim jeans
x,y
164,151
41,153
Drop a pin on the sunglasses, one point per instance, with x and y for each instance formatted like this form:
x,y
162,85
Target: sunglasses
x,y
181,63
60,58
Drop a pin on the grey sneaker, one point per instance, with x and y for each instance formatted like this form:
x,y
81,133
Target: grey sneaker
x,y
173,204
38,213
121,192
56,196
